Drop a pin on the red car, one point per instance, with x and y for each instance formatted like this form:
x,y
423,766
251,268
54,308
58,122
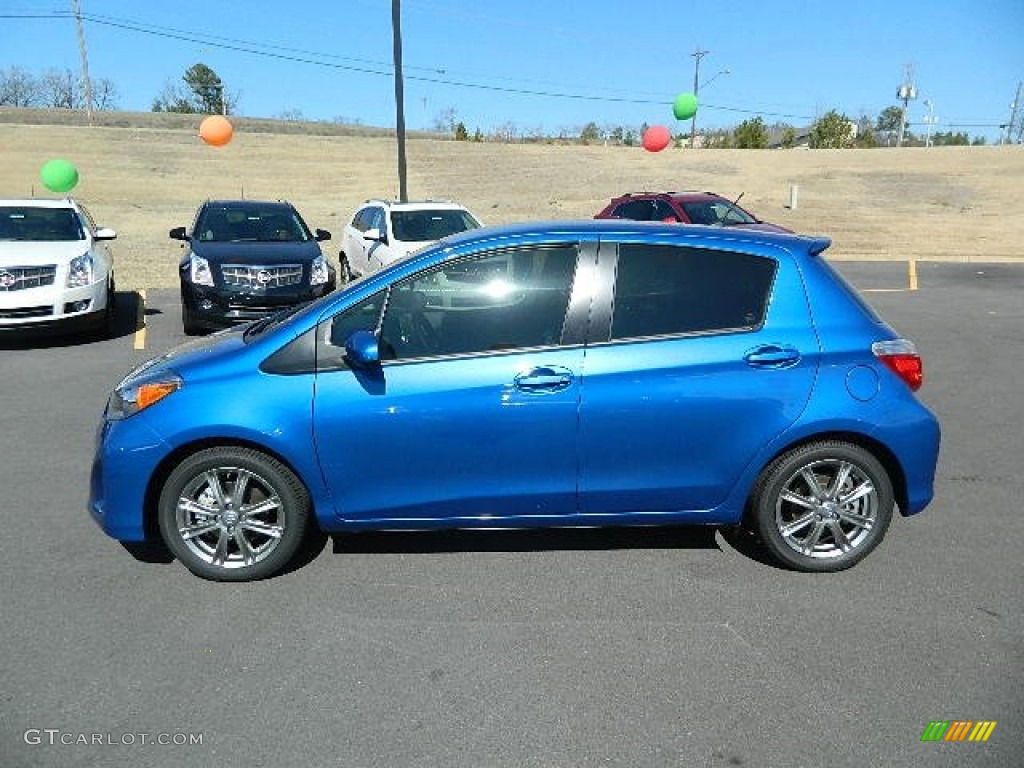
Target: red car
x,y
684,208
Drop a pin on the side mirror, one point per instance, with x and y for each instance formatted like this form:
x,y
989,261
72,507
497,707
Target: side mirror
x,y
105,233
323,234
178,233
361,350
374,235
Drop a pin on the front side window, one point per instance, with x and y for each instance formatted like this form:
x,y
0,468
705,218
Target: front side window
x,y
500,301
666,290
663,212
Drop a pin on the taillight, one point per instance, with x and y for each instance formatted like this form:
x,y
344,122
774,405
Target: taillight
x,y
900,355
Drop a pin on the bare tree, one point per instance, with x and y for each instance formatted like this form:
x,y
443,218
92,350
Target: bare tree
x,y
59,88
18,88
104,94
444,121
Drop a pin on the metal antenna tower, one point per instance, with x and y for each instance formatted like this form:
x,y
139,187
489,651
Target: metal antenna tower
x,y
697,55
905,93
1016,124
86,82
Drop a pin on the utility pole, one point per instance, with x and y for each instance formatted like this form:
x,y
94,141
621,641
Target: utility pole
x,y
86,82
697,56
396,30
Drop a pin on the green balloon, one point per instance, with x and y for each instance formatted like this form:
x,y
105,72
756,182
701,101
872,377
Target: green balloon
x,y
685,106
59,176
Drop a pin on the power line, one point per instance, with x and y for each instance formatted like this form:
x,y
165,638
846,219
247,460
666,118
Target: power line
x,y
243,46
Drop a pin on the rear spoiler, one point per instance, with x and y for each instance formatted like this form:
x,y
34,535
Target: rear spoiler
x,y
818,244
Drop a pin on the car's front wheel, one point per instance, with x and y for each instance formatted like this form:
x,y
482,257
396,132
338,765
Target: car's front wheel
x,y
823,506
347,275
233,514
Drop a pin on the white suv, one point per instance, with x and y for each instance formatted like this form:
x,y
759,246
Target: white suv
x,y
382,232
55,266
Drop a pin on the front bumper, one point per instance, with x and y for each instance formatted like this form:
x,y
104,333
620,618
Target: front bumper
x,y
50,305
215,307
127,454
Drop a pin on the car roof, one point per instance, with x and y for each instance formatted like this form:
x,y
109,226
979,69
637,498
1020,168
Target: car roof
x,y
695,235
248,203
418,205
683,195
40,202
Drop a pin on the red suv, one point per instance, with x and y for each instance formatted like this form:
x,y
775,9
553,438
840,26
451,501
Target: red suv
x,y
685,208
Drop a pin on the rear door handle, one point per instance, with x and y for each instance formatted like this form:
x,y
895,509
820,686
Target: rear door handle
x,y
547,379
772,356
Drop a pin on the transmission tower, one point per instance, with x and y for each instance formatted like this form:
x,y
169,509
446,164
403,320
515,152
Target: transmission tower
x,y
1015,128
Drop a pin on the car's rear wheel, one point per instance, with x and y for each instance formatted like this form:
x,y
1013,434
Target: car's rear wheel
x,y
233,514
823,506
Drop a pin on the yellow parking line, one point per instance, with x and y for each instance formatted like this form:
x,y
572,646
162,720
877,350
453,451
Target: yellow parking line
x,y
912,274
140,321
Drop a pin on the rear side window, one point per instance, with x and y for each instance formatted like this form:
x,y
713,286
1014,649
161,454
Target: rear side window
x,y
665,290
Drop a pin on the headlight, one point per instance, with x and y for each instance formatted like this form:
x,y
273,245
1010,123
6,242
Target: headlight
x,y
134,395
80,271
199,270
319,274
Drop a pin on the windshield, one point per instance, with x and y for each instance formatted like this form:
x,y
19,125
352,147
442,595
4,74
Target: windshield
x,y
717,212
252,223
424,226
46,224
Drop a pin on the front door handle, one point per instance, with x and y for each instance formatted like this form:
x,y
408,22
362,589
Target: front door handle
x,y
772,356
552,378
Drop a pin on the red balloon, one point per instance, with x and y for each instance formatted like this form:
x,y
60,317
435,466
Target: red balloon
x,y
656,138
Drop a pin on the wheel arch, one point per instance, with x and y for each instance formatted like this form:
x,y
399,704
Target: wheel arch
x,y
163,470
879,450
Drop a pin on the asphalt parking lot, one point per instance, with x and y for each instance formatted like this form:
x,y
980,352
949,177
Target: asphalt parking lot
x,y
647,647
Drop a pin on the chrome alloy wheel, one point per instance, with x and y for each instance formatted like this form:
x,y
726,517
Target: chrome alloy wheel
x,y
827,508
230,517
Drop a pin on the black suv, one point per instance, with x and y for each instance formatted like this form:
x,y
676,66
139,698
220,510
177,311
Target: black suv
x,y
246,259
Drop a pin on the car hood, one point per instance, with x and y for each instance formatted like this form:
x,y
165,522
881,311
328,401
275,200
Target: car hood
x,y
257,253
206,350
22,253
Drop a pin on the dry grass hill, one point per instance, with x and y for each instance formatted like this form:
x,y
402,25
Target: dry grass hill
x,y
144,175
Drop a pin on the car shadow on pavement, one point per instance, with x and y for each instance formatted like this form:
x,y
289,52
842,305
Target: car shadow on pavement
x,y
124,323
528,540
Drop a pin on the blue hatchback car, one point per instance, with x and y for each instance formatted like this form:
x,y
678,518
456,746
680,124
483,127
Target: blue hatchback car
x,y
548,374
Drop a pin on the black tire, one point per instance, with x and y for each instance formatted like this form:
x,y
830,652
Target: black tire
x,y
345,271
109,327
832,524
233,540
188,322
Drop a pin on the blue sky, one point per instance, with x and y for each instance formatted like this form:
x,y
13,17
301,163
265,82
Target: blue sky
x,y
611,62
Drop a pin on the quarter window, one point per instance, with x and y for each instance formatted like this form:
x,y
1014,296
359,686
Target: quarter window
x,y
667,290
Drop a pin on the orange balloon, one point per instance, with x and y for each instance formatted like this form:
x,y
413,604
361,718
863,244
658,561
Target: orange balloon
x,y
216,131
